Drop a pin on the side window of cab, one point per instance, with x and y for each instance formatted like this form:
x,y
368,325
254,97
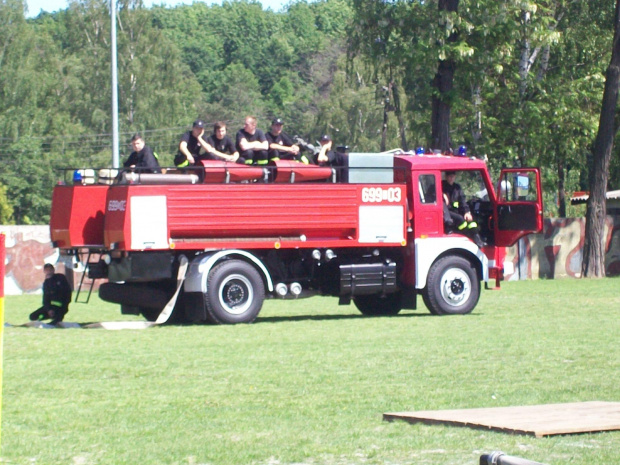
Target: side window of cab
x,y
427,188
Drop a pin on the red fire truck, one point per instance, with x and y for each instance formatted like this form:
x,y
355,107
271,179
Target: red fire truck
x,y
212,243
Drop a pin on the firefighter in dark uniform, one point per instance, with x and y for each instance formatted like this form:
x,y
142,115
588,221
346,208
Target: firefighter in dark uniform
x,y
56,297
191,145
143,158
281,147
456,214
223,146
326,156
252,143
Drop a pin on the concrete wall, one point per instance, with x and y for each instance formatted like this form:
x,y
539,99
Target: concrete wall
x,y
556,253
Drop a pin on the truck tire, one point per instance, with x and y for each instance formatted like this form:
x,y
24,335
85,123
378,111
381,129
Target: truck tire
x,y
235,293
376,305
428,303
452,287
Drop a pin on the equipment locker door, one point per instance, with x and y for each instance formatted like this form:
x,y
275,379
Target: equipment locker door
x,y
518,211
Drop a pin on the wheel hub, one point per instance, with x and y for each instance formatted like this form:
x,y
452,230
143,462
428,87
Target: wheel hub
x,y
234,294
456,287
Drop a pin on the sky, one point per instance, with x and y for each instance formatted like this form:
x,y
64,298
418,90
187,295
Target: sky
x,y
36,6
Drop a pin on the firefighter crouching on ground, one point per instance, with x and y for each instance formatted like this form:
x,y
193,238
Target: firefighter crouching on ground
x,y
56,297
456,214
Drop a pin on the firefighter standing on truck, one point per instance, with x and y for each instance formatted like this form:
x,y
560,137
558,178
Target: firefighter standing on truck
x,y
56,297
457,216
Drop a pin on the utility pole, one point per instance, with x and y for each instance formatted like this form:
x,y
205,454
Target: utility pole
x,y
115,154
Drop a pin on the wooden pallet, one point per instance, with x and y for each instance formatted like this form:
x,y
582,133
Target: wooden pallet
x,y
535,420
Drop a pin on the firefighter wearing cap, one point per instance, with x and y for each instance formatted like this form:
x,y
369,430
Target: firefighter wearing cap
x,y
56,297
326,155
280,144
252,143
457,216
191,145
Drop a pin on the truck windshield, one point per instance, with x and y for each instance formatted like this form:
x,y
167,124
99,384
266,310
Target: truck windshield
x,y
472,184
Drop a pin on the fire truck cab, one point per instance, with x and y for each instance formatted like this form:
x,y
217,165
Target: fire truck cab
x,y
213,242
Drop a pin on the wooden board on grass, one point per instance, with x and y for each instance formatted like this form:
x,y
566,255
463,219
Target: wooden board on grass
x,y
536,420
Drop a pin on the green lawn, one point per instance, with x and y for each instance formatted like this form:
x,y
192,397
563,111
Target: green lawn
x,y
309,381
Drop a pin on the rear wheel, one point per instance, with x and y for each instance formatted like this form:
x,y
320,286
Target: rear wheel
x,y
235,293
377,305
452,287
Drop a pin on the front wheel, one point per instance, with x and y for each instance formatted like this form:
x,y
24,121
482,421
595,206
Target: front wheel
x,y
452,287
235,293
377,305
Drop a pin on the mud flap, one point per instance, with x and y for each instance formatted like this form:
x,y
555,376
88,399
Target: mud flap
x,y
163,317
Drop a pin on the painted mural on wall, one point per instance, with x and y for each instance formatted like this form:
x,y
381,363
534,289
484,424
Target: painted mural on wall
x,y
28,248
557,252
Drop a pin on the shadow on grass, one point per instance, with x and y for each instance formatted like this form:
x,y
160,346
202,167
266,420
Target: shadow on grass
x,y
277,319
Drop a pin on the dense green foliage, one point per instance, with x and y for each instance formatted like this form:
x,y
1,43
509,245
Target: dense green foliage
x,y
309,381
528,80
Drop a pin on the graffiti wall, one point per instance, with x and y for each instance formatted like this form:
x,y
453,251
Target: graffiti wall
x,y
28,248
556,253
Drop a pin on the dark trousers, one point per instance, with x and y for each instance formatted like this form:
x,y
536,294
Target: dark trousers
x,y
55,313
282,155
256,157
454,222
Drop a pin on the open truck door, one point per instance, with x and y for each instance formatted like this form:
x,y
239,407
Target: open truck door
x,y
518,211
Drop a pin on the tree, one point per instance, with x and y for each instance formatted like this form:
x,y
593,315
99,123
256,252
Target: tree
x,y
6,210
593,264
444,78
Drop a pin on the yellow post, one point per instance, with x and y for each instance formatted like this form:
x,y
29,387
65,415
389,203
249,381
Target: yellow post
x,y
2,259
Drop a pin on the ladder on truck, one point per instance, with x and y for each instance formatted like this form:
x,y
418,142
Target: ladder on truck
x,y
94,271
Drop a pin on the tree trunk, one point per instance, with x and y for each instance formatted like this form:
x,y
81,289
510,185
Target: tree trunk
x,y
561,188
476,130
441,106
594,246
386,104
399,117
443,82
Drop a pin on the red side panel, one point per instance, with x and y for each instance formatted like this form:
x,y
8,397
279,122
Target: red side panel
x,y
117,227
255,215
238,211
77,216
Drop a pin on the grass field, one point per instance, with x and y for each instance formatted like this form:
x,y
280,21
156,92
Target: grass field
x,y
309,381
